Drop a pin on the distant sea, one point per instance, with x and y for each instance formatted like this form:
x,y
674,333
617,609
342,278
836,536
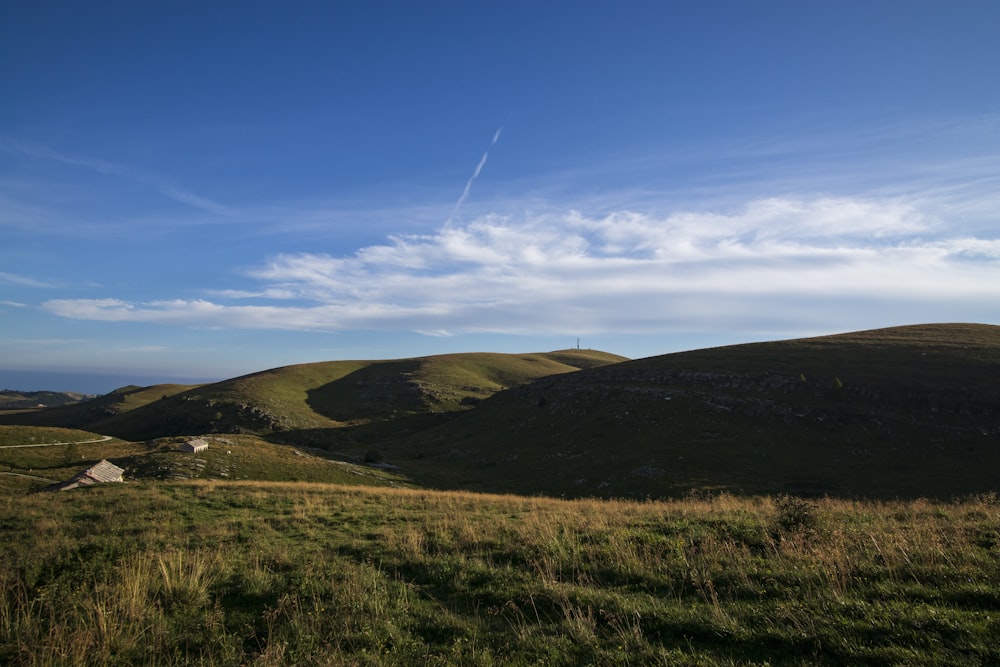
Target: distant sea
x,y
84,383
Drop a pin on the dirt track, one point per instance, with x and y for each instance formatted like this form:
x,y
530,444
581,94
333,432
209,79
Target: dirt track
x,y
103,438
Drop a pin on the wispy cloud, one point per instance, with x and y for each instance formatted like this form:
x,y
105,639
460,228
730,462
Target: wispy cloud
x,y
160,183
42,342
777,263
24,281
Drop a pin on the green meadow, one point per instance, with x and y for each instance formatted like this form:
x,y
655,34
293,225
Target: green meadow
x,y
232,457
334,518
277,573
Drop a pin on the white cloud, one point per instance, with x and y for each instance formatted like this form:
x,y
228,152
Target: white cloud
x,y
25,281
775,261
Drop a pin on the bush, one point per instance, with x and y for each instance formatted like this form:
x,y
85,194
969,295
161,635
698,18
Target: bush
x,y
794,515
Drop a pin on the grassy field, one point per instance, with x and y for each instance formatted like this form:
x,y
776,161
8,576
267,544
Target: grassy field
x,y
34,435
232,573
227,458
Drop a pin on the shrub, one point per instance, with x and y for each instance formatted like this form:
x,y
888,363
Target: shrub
x,y
794,515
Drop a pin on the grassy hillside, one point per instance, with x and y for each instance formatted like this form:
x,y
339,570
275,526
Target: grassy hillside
x,y
96,413
26,468
309,397
17,436
909,411
236,573
22,400
900,412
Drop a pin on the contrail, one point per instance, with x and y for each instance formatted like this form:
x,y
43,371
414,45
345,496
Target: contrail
x,y
475,173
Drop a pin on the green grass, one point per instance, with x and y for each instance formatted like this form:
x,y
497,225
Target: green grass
x,y
310,397
96,413
227,458
334,394
906,412
33,435
20,400
236,573
899,412
77,451
249,458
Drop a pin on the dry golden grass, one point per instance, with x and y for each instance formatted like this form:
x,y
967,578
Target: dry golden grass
x,y
281,574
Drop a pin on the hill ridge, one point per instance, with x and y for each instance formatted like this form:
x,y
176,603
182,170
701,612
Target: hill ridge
x,y
310,396
911,411
904,411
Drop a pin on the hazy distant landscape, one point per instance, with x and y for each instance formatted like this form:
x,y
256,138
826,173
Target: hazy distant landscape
x,y
76,382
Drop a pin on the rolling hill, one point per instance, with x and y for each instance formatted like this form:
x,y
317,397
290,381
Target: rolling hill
x,y
907,411
899,412
306,399
26,400
98,414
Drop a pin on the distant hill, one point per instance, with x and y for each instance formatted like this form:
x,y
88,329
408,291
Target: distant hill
x,y
99,413
22,400
906,411
899,412
305,401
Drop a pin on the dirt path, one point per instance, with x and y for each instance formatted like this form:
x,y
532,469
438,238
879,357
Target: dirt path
x,y
103,438
21,474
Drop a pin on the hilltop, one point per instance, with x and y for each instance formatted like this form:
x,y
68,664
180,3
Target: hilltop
x,y
899,412
907,411
301,399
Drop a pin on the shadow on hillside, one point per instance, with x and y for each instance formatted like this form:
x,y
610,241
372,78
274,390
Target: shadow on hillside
x,y
356,441
377,391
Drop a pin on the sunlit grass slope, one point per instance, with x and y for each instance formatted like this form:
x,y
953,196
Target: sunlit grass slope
x,y
235,573
16,436
231,457
908,411
27,462
313,396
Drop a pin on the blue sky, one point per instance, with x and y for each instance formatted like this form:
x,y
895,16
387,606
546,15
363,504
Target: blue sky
x,y
195,190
